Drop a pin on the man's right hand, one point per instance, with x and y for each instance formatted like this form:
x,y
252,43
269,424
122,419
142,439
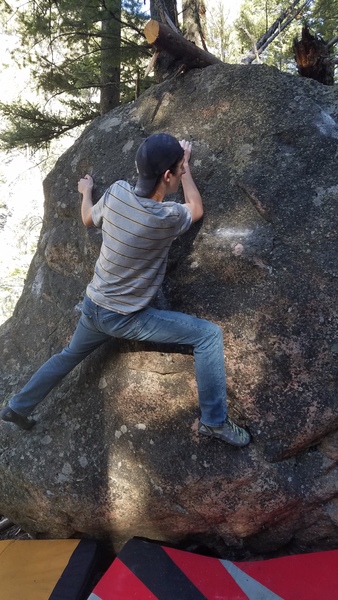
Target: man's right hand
x,y
85,184
187,151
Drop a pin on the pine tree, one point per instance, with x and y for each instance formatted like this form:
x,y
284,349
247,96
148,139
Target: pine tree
x,y
222,37
81,55
323,18
194,21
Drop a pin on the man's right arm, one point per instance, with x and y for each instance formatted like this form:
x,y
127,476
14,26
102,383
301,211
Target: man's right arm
x,y
192,197
85,186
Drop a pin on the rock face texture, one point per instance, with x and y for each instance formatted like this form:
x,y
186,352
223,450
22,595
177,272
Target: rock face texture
x,y
115,452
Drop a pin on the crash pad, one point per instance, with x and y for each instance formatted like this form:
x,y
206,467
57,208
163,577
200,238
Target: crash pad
x,y
46,569
145,570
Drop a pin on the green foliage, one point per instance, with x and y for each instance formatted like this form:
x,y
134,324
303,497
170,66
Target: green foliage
x,y
233,42
72,48
30,125
323,18
79,50
222,38
257,16
254,20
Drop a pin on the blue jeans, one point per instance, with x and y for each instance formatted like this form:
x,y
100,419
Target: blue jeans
x,y
98,324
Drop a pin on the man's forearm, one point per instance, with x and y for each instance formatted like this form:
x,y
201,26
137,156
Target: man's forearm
x,y
192,196
86,208
85,186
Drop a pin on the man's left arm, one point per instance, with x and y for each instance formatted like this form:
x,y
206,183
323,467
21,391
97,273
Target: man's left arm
x,y
192,197
85,187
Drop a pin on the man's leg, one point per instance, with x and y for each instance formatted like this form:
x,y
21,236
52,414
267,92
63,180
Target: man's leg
x,y
207,341
85,339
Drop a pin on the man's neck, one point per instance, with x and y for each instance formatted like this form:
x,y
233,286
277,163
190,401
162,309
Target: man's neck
x,y
160,191
157,196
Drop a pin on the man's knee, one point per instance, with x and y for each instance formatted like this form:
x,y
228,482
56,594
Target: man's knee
x,y
212,334
218,333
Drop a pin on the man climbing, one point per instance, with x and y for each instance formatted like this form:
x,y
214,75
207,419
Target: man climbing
x,y
138,230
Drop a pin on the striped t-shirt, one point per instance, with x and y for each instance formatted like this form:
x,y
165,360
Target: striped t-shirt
x,y
137,234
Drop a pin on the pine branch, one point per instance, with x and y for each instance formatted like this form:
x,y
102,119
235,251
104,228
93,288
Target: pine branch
x,y
29,125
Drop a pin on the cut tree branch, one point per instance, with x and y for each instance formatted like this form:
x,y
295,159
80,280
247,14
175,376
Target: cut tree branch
x,y
163,38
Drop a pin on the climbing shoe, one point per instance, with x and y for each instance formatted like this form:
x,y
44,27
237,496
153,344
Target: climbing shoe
x,y
229,432
10,416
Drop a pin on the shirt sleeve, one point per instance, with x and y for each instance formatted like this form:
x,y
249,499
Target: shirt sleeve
x,y
97,210
184,219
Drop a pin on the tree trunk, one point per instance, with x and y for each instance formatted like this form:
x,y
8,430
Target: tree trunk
x,y
194,21
158,8
110,56
313,58
190,56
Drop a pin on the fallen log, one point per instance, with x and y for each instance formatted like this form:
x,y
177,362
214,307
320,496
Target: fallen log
x,y
165,39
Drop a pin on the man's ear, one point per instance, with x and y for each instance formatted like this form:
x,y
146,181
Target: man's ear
x,y
166,176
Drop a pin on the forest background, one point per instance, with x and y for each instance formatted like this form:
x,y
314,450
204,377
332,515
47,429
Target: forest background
x,y
64,62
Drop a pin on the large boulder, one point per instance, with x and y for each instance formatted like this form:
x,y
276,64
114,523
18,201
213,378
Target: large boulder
x,y
115,452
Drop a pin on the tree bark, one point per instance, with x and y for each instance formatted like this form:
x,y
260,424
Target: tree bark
x,y
194,21
164,11
332,42
110,56
163,38
158,8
